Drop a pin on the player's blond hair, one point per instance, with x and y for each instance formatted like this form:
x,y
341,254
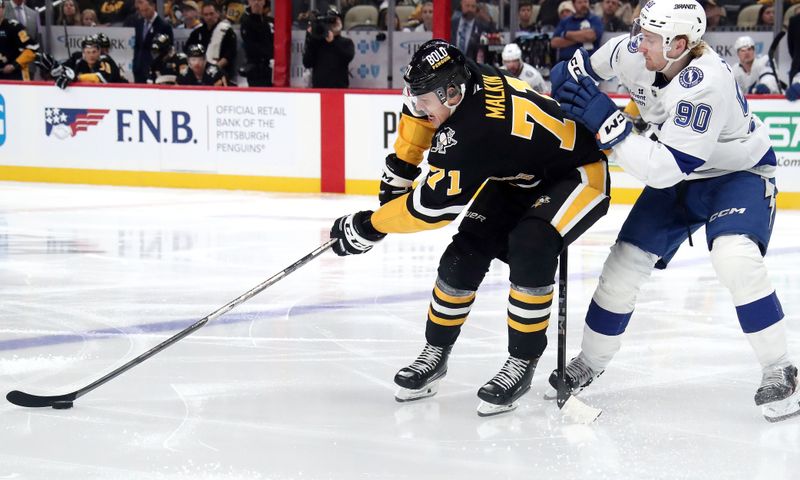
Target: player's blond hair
x,y
698,49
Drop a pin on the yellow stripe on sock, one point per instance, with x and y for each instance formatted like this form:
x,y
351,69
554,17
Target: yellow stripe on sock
x,y
532,299
534,327
450,298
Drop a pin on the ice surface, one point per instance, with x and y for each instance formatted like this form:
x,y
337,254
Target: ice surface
x,y
297,382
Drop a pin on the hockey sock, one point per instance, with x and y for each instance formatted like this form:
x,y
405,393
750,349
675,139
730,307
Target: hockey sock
x,y
528,317
448,310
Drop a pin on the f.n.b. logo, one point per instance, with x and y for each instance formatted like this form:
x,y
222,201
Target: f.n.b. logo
x,y
2,121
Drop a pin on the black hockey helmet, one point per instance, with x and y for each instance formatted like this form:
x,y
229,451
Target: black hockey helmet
x,y
90,41
103,41
161,45
434,67
195,50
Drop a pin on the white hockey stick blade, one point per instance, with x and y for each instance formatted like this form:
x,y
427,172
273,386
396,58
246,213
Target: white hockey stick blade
x,y
408,395
579,412
486,409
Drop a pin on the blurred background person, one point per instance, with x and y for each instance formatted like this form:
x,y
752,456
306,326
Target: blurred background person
x,y
608,15
581,29
17,49
69,13
766,16
327,53
190,15
217,39
426,19
525,16
89,18
467,28
200,72
114,12
512,61
258,33
26,16
146,28
167,63
753,73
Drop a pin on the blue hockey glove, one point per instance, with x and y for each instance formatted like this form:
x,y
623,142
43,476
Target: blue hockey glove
x,y
761,89
586,104
793,92
355,234
577,66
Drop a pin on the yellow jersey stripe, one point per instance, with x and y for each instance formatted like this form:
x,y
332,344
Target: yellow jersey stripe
x,y
534,327
394,217
596,175
532,299
583,199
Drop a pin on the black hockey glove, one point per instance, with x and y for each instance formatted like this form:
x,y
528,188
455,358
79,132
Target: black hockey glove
x,y
65,78
355,234
396,178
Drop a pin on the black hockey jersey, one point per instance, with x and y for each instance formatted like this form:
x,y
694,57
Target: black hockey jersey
x,y
212,76
104,71
16,48
501,131
166,70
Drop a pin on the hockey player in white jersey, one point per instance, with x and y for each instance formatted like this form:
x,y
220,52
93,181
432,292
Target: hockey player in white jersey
x,y
512,61
712,165
753,72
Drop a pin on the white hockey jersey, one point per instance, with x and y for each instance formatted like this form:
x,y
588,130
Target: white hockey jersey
x,y
705,127
761,72
532,77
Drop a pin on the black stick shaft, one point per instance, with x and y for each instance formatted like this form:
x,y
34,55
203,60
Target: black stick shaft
x,y
771,57
562,390
28,400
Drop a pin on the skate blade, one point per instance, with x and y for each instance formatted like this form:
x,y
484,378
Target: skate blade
x,y
579,412
782,409
407,395
486,409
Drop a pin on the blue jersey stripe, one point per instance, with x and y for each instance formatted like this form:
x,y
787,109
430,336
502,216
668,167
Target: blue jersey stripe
x,y
687,163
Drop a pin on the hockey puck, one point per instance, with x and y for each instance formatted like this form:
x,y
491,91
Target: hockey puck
x,y
62,405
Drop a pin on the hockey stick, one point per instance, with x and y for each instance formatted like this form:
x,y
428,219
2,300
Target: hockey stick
x,y
65,401
771,57
570,406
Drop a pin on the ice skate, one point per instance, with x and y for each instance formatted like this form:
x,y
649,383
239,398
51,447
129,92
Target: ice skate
x,y
578,376
778,395
421,378
510,383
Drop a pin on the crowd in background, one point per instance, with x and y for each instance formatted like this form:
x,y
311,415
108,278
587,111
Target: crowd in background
x,y
551,31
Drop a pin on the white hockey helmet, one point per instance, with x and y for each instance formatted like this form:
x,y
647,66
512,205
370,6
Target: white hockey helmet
x,y
512,52
744,41
671,19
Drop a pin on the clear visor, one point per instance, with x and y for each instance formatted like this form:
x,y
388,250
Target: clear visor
x,y
636,29
425,103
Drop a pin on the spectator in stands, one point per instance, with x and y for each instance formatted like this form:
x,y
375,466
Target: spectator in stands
x,y
89,18
426,18
525,16
484,15
114,12
753,74
565,9
714,13
200,72
217,39
581,29
382,25
257,39
68,13
548,15
17,48
766,16
146,29
793,36
190,17
466,29
327,53
612,23
25,15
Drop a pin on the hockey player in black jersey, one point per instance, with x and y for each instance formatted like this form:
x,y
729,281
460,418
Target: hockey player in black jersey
x,y
201,72
544,183
91,67
17,49
167,63
105,51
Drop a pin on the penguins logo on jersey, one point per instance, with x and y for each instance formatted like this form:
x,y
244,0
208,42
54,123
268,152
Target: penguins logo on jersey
x,y
444,140
541,201
690,77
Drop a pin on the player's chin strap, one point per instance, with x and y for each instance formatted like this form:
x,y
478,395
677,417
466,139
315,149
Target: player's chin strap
x,y
670,61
